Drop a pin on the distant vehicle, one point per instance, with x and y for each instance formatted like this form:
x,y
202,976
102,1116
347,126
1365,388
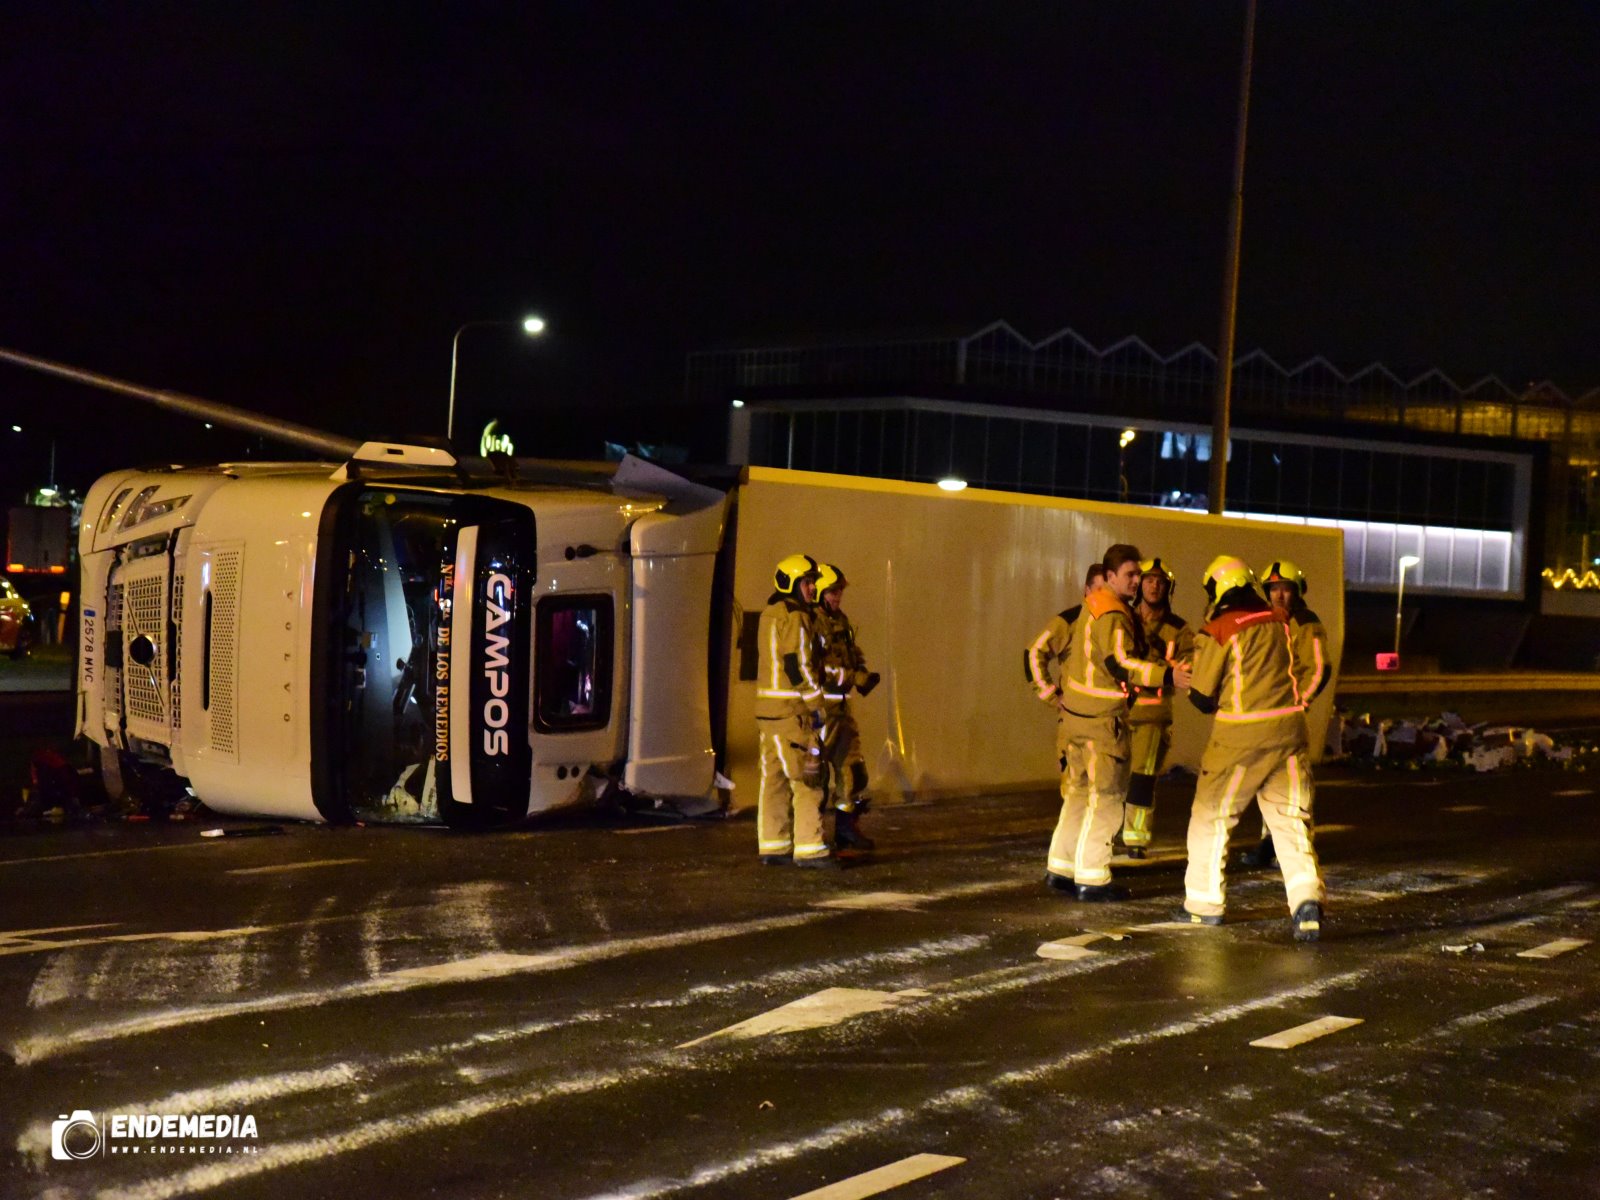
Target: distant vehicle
x,y
19,632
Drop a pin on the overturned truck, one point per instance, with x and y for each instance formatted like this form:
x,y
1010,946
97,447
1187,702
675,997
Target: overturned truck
x,y
400,633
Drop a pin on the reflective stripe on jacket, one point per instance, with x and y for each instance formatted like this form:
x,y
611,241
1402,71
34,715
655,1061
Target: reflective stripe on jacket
x,y
1041,661
1105,633
1169,640
843,665
1308,642
1243,671
787,682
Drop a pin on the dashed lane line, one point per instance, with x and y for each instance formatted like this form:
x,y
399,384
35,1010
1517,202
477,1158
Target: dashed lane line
x,y
1287,1039
48,858
262,1089
963,1098
1552,949
281,868
480,967
1465,808
40,945
874,1182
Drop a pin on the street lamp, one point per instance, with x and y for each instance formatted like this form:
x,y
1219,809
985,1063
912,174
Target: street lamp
x,y
1123,443
1407,561
533,326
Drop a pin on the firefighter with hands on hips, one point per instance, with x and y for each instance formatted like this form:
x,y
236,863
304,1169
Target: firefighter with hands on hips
x,y
1169,640
1105,657
1244,676
789,722
844,669
1285,586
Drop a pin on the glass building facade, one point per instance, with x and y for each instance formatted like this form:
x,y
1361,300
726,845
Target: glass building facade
x,y
1463,512
1460,458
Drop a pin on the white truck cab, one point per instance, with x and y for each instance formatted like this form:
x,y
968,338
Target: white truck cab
x,y
404,637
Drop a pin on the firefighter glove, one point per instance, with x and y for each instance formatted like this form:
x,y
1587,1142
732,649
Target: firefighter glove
x,y
871,682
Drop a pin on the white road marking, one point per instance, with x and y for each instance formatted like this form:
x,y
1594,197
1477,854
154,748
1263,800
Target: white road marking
x,y
1485,1016
871,1183
280,868
1065,951
174,935
1311,1030
653,829
816,1011
44,858
1575,792
1320,828
901,901
964,1098
33,1049
1551,949
1465,808
14,934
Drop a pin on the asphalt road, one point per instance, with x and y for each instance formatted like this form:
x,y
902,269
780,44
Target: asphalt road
x,y
597,1009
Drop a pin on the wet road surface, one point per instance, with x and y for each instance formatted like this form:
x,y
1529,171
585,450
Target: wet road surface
x,y
601,1009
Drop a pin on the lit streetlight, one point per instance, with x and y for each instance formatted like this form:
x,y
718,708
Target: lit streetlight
x,y
952,483
533,326
1123,443
1407,561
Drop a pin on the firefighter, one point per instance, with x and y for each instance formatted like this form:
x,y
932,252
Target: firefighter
x,y
1244,675
789,722
1285,585
844,668
1043,659
1169,640
1104,659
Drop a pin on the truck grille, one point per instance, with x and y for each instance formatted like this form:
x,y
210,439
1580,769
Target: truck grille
x,y
222,651
145,615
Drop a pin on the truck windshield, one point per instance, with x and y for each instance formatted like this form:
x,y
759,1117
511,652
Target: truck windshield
x,y
387,572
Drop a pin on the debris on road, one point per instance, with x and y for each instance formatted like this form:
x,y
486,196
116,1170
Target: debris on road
x,y
1463,948
1446,741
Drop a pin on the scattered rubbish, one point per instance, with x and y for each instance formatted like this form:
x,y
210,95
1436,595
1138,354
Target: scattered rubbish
x,y
766,1104
1463,948
246,831
1446,741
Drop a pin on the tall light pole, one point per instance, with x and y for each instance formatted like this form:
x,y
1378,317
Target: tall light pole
x,y
1230,286
1123,443
531,325
1407,561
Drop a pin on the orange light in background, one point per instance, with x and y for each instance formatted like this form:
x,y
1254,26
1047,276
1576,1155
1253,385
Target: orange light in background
x,y
15,567
58,570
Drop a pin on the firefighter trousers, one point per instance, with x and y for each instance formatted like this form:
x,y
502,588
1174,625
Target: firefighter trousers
x,y
1278,778
1094,780
841,749
1150,741
789,806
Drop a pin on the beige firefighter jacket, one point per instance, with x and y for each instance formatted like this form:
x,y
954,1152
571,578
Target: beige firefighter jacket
x,y
1243,673
844,666
1105,657
1168,639
1313,664
789,680
1042,660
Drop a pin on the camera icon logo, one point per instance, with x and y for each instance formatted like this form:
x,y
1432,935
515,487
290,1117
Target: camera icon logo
x,y
77,1136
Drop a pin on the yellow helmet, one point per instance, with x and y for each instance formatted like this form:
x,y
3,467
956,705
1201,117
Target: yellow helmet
x,y
1284,571
1224,574
792,570
1154,566
829,577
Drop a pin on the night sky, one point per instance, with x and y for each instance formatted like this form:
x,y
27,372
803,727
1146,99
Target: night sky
x,y
292,207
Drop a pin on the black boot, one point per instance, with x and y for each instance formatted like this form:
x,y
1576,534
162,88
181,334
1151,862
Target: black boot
x,y
847,833
1261,856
